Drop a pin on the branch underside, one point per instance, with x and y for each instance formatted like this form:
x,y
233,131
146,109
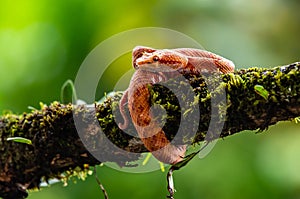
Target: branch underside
x,y
64,136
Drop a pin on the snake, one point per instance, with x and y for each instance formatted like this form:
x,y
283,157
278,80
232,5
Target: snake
x,y
158,65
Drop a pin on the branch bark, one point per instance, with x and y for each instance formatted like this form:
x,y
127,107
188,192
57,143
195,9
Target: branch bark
x,y
69,138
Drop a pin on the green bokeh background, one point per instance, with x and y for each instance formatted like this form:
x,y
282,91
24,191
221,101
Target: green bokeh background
x,y
43,43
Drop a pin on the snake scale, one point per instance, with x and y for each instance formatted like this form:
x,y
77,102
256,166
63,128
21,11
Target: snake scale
x,y
154,66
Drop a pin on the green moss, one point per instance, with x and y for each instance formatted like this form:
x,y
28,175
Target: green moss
x,y
244,107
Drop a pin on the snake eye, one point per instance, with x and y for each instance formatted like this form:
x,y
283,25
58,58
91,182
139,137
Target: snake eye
x,y
155,58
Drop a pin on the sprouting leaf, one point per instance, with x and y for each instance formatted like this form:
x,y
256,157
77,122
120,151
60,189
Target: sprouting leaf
x,y
261,91
297,120
162,166
32,108
20,139
106,95
68,92
146,160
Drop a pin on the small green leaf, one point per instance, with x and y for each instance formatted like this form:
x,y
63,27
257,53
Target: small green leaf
x,y
106,95
261,91
20,139
68,92
162,166
146,160
297,120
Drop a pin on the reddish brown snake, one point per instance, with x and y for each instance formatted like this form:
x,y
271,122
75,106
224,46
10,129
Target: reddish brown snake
x,y
157,65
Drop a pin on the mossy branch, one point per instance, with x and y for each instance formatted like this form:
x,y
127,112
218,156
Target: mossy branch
x,y
254,99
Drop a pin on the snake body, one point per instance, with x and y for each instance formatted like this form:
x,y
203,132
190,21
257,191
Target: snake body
x,y
154,66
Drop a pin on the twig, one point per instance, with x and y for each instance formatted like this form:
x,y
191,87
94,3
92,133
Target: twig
x,y
100,184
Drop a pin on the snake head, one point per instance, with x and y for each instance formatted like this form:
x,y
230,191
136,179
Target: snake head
x,y
138,52
154,59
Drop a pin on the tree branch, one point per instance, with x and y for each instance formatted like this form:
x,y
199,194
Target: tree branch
x,y
249,99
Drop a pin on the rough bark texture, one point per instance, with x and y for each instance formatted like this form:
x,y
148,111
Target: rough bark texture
x,y
57,147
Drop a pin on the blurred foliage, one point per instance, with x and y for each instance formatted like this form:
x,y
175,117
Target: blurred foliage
x,y
43,43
